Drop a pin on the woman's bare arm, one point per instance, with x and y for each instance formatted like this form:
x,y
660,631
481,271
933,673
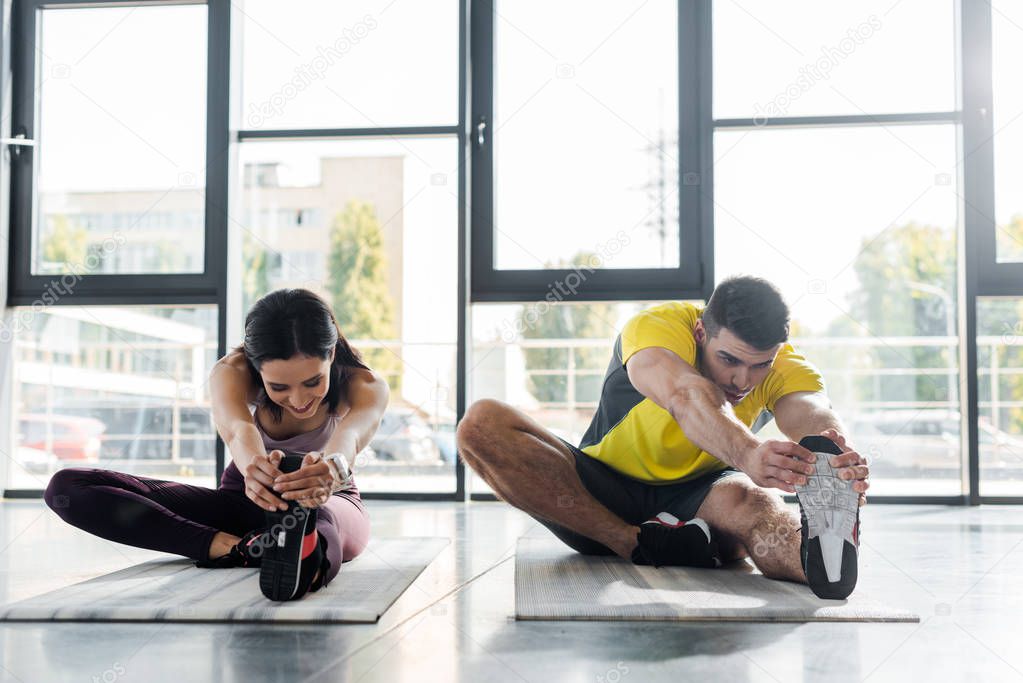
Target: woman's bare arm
x,y
229,387
312,484
367,399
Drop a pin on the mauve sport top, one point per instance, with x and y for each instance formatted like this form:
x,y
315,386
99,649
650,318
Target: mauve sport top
x,y
299,444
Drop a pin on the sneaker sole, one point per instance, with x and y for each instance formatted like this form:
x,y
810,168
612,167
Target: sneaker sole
x,y
282,561
829,511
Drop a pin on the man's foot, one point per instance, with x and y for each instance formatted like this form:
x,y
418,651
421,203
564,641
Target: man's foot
x,y
829,509
247,552
667,541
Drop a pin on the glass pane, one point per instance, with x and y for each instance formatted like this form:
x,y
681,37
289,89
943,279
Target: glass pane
x,y
1007,29
368,63
586,135
1000,377
856,227
121,388
546,360
122,141
372,226
807,57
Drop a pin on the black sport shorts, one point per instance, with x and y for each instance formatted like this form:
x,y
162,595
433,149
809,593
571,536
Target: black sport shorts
x,y
632,500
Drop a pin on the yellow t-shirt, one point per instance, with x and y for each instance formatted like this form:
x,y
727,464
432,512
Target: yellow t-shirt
x,y
636,437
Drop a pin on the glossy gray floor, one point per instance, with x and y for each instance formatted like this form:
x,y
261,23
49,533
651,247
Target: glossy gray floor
x,y
960,568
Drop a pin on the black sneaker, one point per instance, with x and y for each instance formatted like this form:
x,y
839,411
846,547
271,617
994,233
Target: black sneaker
x,y
293,551
829,510
667,541
248,552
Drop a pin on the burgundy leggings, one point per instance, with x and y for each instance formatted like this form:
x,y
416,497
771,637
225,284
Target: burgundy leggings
x,y
182,519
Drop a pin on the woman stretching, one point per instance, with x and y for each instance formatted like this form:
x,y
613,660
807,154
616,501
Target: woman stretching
x,y
294,404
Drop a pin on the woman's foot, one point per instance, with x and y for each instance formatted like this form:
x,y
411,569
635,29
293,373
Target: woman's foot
x,y
222,544
293,553
246,551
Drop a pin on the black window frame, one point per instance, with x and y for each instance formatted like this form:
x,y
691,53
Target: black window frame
x,y
694,276
978,272
130,288
208,287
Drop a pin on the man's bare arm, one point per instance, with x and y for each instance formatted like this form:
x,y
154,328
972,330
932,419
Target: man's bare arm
x,y
803,413
697,404
704,414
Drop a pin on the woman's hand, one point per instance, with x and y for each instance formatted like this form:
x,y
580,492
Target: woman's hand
x,y
259,476
311,484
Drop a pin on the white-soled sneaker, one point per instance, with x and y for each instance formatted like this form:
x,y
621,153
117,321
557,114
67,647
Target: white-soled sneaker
x,y
664,540
829,510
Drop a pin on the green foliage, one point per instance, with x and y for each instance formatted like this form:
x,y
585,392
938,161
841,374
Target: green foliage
x,y
358,285
1003,318
907,288
557,320
901,272
65,245
1009,239
256,279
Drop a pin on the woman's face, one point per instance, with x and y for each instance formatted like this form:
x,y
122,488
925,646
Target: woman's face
x,y
297,384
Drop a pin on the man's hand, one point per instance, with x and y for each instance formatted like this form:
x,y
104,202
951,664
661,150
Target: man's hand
x,y
311,484
850,465
778,464
259,476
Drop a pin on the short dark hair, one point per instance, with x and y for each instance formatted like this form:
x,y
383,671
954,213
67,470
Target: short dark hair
x,y
289,322
751,308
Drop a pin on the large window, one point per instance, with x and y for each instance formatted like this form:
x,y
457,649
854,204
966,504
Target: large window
x,y
363,64
122,388
855,219
433,168
806,58
1000,375
113,319
1007,41
370,225
585,151
546,359
121,160
366,213
870,282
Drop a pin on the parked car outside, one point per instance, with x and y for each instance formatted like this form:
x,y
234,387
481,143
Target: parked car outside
x,y
71,438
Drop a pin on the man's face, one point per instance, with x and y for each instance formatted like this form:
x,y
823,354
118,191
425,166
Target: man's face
x,y
732,364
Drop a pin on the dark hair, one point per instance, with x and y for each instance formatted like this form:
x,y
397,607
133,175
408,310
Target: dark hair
x,y
287,322
751,308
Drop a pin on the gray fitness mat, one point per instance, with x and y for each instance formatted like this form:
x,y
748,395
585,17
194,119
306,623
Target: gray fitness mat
x,y
552,582
175,590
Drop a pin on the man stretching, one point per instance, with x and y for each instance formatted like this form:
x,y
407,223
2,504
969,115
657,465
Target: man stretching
x,y
671,440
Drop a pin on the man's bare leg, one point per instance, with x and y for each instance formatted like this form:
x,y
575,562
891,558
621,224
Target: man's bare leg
x,y
531,469
740,511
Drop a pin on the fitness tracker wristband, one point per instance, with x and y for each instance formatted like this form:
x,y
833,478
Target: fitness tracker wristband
x,y
344,472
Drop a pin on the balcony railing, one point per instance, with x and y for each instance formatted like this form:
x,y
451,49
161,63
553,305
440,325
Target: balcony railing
x,y
125,374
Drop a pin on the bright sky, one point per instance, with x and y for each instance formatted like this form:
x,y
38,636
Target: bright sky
x,y
577,104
